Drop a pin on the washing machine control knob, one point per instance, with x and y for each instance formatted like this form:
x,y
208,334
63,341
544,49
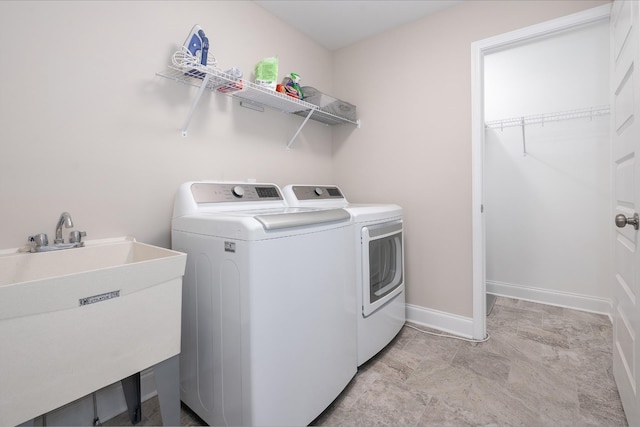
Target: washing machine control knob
x,y
238,191
318,191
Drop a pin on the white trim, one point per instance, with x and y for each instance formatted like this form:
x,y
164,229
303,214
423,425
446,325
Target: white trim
x,y
477,193
446,322
554,26
478,50
551,297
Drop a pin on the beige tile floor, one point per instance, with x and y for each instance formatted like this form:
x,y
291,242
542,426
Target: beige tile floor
x,y
542,366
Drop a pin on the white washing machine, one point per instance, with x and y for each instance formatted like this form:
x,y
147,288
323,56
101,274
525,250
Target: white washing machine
x,y
268,315
379,268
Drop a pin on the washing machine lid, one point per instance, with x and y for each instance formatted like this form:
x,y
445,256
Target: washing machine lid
x,y
261,224
302,218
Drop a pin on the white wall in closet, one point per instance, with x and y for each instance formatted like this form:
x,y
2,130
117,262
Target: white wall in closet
x,y
548,213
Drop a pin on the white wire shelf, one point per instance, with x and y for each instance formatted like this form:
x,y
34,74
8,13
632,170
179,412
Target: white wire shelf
x,y
211,78
523,121
590,113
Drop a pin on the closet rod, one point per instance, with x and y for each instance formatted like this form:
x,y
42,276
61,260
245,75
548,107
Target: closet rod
x,y
590,112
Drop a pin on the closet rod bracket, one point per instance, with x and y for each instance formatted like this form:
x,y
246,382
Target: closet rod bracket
x,y
524,138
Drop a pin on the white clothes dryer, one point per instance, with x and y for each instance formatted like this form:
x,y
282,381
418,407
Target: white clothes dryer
x,y
379,268
269,319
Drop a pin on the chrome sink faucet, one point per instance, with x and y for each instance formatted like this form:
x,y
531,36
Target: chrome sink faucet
x,y
65,219
40,242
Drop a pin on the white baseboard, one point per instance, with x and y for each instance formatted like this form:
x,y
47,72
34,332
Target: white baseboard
x,y
446,322
463,326
551,297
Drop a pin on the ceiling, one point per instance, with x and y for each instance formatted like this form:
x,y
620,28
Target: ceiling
x,y
336,24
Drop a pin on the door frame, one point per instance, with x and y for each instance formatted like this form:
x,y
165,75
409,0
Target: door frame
x,y
478,51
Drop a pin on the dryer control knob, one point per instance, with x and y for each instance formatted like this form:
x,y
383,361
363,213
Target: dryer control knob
x,y
238,191
318,191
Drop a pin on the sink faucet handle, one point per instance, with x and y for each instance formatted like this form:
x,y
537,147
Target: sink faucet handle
x,y
76,236
40,239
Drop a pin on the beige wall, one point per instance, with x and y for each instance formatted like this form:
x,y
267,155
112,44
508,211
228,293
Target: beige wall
x,y
412,86
87,127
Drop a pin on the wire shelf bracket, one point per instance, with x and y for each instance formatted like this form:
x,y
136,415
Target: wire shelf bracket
x,y
195,102
295,135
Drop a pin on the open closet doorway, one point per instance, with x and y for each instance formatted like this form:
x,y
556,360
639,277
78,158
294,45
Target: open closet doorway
x,y
539,173
547,170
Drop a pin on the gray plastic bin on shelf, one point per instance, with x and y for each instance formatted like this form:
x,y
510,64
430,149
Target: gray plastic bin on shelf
x,y
329,104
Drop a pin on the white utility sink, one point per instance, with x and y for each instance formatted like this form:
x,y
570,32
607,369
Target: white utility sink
x,y
76,320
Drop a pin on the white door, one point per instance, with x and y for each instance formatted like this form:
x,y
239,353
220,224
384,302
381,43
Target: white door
x,y
625,38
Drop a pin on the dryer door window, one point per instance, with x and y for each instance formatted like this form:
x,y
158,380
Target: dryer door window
x,y
382,264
